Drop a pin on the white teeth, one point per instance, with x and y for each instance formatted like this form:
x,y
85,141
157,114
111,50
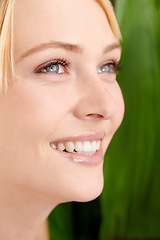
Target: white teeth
x,y
86,147
69,147
94,146
78,147
53,146
60,147
98,144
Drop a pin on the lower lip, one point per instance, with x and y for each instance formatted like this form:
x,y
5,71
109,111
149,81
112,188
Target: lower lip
x,y
90,160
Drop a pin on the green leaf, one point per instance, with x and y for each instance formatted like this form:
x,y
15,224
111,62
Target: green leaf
x,y
60,223
131,198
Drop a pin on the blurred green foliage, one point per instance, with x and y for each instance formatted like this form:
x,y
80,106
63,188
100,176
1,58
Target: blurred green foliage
x,y
129,206
131,199
60,223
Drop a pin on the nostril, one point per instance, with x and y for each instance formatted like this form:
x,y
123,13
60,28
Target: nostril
x,y
94,115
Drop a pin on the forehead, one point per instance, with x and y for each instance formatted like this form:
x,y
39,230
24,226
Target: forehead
x,y
76,21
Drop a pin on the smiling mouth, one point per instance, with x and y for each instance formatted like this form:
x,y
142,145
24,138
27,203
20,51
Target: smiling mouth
x,y
79,147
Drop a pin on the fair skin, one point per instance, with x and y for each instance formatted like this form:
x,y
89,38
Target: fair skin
x,y
81,101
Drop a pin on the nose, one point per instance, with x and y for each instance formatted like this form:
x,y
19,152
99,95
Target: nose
x,y
95,101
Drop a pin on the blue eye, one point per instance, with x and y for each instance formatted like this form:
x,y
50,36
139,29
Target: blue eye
x,y
58,66
53,68
109,68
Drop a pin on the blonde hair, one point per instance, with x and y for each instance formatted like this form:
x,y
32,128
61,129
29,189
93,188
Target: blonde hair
x,y
108,9
6,9
6,15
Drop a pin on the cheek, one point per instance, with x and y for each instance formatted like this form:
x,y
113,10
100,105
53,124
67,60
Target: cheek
x,y
120,107
31,113
37,109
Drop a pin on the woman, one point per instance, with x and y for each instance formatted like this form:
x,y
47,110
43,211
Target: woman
x,y
60,106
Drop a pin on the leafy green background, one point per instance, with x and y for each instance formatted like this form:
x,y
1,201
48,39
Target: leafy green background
x,y
129,206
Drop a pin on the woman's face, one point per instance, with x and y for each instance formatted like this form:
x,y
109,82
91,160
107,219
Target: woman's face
x,y
65,96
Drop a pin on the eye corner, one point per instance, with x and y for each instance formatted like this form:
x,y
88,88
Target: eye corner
x,y
109,67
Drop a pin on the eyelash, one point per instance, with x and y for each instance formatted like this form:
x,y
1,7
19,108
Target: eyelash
x,y
115,65
60,61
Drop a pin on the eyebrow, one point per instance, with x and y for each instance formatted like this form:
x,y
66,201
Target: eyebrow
x,y
43,46
112,46
65,46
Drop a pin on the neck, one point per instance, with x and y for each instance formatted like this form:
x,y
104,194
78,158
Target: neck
x,y
44,232
23,217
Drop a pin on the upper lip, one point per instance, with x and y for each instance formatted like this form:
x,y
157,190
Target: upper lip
x,y
87,136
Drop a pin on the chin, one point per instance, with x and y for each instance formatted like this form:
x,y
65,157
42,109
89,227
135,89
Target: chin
x,y
91,196
79,183
90,191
